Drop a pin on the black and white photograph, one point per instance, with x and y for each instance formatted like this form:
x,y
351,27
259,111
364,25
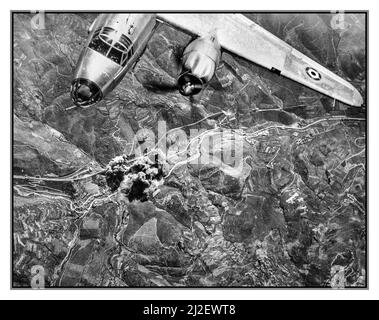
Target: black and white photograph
x,y
189,149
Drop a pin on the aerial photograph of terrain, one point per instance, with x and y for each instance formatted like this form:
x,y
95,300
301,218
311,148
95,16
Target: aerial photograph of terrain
x,y
244,177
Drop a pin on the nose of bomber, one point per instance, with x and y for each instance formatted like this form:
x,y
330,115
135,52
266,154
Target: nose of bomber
x,y
85,92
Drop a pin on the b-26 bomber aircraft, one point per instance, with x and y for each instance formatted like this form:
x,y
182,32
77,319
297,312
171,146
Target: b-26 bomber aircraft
x,y
116,41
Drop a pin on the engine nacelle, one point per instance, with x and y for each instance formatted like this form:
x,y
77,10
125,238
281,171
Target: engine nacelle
x,y
200,60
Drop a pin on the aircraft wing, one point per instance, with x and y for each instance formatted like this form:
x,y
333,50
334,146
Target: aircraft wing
x,y
243,37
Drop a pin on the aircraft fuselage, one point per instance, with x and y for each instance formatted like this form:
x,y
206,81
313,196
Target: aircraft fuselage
x,y
115,43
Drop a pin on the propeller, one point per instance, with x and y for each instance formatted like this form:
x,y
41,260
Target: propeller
x,y
166,87
177,52
160,87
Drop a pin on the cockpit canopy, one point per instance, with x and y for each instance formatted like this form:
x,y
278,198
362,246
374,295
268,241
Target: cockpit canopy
x,y
112,44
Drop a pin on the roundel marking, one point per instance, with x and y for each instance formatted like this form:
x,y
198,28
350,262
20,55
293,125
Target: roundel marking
x,y
313,73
